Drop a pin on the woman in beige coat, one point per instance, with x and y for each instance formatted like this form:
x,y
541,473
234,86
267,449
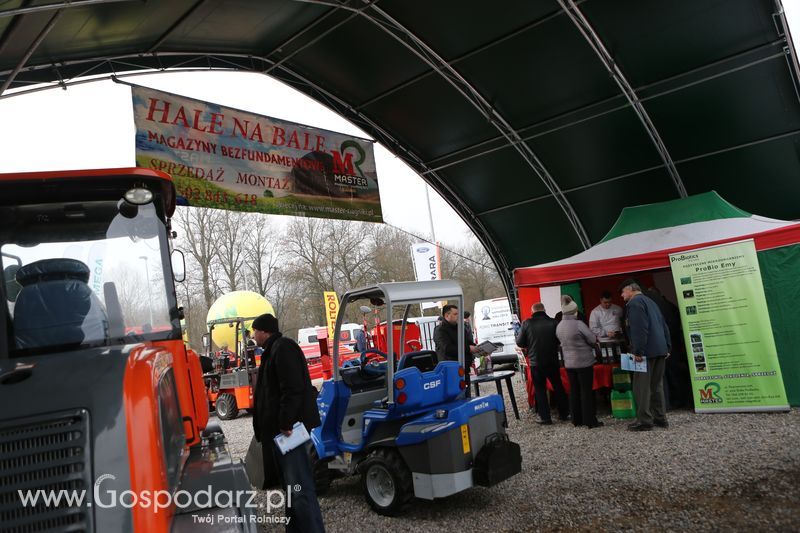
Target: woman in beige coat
x,y
577,345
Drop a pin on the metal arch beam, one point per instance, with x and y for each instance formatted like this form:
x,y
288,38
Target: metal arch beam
x,y
396,30
164,36
122,62
790,49
325,97
50,7
569,116
356,12
567,122
580,21
418,164
31,49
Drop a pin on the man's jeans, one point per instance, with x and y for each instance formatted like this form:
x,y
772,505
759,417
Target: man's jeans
x,y
648,391
298,477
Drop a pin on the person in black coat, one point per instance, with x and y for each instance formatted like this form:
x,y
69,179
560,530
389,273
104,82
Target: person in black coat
x,y
283,396
445,337
538,337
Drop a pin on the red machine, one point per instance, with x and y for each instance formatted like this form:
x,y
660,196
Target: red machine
x,y
100,390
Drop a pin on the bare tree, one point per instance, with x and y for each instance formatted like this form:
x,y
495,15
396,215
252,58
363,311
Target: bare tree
x,y
231,249
313,269
263,254
199,238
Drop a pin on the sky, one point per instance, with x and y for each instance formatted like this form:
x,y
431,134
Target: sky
x,y
91,126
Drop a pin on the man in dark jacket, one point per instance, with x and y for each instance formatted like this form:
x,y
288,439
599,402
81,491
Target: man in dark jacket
x,y
284,395
538,337
648,338
677,381
445,337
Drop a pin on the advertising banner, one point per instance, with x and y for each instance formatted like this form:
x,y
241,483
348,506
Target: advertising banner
x,y
225,158
732,356
331,311
425,257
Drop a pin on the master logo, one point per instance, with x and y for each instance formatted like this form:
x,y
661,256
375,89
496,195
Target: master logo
x,y
710,394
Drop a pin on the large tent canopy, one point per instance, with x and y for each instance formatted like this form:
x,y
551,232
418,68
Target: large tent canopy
x,y
538,121
644,236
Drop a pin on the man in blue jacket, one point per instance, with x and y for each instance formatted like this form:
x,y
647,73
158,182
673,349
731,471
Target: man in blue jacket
x,y
648,338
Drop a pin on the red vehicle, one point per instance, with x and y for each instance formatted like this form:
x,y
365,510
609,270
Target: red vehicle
x,y
231,381
376,340
314,352
99,390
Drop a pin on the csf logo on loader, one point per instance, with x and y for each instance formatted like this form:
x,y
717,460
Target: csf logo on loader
x,y
710,394
432,384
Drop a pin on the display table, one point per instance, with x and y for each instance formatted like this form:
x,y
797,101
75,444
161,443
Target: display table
x,y
603,378
497,377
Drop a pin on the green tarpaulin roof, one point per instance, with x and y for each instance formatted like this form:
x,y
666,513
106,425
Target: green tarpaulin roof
x,y
697,208
538,121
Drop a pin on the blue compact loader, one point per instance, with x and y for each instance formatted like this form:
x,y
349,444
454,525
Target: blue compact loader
x,y
403,420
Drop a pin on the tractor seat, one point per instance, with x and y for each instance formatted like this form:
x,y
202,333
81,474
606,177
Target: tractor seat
x,y
358,381
424,360
56,306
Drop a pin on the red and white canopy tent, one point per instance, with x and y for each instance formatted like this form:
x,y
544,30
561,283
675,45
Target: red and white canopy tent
x,y
644,236
639,244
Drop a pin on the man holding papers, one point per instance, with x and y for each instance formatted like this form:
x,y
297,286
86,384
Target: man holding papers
x,y
285,403
649,340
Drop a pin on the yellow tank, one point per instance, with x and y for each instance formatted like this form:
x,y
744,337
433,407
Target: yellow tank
x,y
233,304
184,331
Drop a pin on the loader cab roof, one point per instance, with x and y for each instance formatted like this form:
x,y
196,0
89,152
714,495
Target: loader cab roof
x,y
84,185
82,265
407,292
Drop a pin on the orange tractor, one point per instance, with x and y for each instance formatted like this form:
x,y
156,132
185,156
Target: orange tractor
x,y
232,379
102,404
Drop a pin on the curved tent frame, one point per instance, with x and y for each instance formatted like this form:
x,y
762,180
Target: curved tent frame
x,y
537,121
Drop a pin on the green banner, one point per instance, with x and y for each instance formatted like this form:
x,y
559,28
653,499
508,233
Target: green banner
x,y
226,158
732,356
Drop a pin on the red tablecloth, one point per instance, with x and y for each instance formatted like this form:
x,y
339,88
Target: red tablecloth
x,y
603,378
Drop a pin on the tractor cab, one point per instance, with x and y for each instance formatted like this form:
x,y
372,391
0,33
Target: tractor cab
x,y
401,418
231,381
99,390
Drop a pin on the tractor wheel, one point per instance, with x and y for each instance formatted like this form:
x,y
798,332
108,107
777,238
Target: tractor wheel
x,y
226,407
322,474
386,482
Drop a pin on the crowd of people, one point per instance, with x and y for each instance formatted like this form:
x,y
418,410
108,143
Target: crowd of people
x,y
285,395
650,326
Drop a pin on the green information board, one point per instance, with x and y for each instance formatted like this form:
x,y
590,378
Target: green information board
x,y
732,356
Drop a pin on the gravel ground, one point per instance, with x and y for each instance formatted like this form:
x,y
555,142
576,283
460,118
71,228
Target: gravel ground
x,y
706,472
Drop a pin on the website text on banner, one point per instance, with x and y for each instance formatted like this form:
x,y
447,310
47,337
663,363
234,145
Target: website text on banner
x,y
225,158
732,356
425,257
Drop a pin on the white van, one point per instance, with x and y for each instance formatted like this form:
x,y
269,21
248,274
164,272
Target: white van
x,y
492,321
347,334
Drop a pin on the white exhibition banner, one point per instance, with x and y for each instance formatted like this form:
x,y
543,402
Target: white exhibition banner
x,y
427,266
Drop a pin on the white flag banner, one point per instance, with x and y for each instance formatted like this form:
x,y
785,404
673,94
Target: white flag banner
x,y
426,265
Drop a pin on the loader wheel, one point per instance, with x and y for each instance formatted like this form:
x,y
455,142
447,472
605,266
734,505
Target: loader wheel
x,y
226,407
386,482
322,474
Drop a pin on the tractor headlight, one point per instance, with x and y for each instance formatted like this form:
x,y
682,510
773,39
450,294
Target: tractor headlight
x,y
139,196
440,413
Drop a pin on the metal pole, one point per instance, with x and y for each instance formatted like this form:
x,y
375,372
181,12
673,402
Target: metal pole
x,y
149,292
430,215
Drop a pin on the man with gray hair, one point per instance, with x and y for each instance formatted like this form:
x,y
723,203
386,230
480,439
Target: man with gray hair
x,y
649,339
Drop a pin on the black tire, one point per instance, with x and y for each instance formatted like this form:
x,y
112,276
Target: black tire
x,y
322,474
386,482
226,407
